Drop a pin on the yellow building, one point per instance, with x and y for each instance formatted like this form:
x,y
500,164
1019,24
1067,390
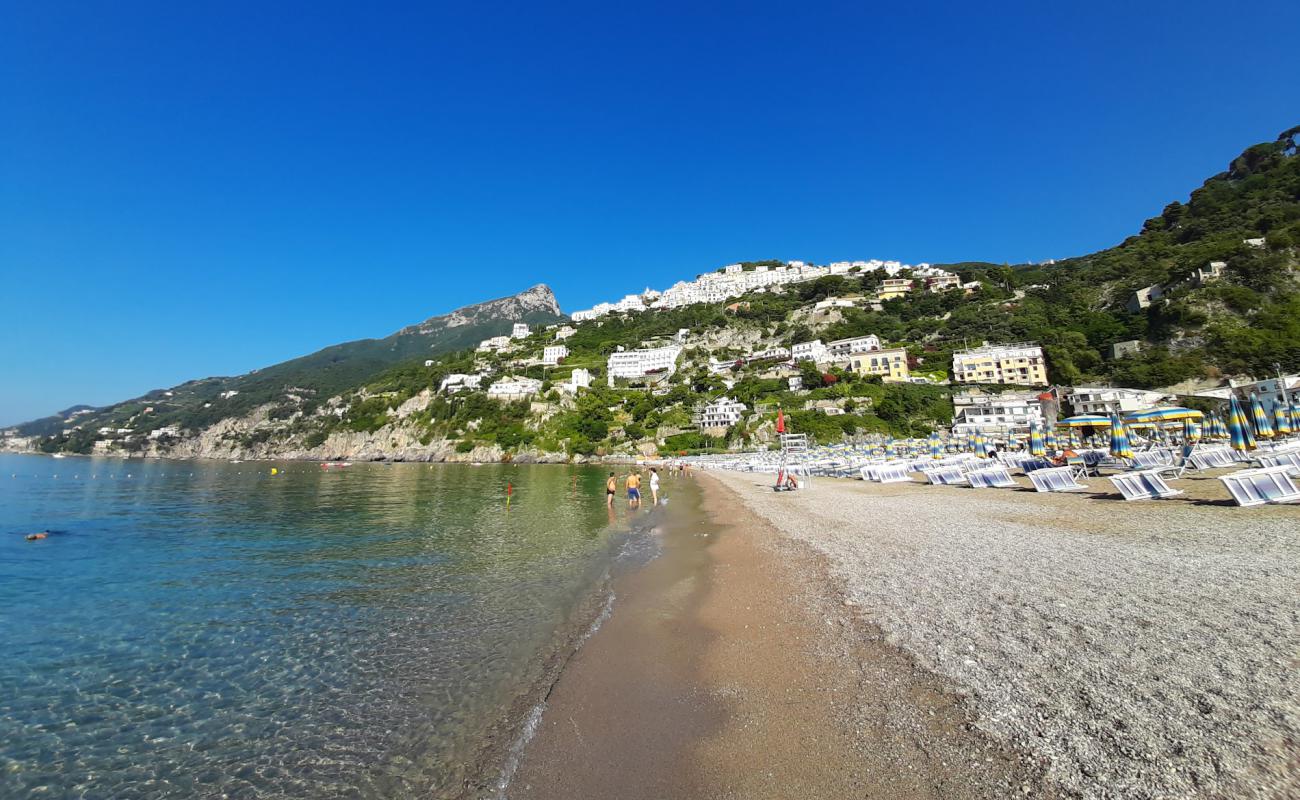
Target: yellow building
x,y
1017,364
893,287
890,365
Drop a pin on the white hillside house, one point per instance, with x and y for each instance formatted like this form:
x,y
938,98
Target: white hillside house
x,y
721,413
809,351
551,354
460,382
514,388
636,364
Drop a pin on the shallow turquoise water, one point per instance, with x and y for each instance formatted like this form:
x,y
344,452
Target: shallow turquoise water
x,y
194,629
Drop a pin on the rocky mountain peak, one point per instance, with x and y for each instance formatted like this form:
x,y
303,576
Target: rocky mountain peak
x,y
538,299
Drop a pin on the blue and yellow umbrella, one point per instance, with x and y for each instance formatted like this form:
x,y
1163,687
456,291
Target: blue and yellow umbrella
x,y
1281,420
936,446
1263,425
1239,432
981,446
1191,431
1049,440
1119,444
1036,444
1155,416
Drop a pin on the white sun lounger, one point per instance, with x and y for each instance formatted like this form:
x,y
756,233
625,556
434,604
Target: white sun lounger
x,y
893,473
991,478
945,475
1143,485
1055,479
1287,458
1213,458
1159,457
1255,487
1033,464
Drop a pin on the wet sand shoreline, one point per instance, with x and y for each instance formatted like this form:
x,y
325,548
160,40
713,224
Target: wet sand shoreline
x,y
732,667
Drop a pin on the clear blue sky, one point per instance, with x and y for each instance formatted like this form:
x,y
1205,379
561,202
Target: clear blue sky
x,y
187,192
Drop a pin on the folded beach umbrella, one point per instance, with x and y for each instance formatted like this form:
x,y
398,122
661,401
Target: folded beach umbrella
x,y
1239,432
1073,439
1281,420
1220,428
1119,446
889,448
1085,421
1036,446
981,445
1049,440
1295,417
1263,425
1191,431
936,446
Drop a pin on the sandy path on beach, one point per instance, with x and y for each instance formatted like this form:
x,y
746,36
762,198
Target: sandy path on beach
x,y
730,669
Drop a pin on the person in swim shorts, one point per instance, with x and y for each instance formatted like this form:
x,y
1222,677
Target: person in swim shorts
x,y
611,486
633,489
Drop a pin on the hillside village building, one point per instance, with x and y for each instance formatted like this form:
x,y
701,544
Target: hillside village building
x,y
579,379
514,388
734,280
551,354
843,349
564,332
942,283
495,343
1006,412
459,382
890,365
1017,364
520,331
891,288
1106,400
771,354
721,413
636,364
813,351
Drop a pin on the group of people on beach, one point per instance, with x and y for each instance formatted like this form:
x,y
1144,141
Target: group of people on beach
x,y
632,481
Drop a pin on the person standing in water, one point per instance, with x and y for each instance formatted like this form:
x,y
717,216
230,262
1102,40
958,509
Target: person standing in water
x,y
633,489
611,486
654,486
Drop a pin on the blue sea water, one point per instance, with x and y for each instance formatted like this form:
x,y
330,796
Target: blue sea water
x,y
200,629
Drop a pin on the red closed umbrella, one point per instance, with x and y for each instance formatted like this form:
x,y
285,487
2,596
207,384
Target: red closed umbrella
x,y
780,421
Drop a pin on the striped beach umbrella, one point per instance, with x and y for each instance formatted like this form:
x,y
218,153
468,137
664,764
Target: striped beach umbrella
x,y
1221,428
981,445
1036,446
1295,417
1263,425
1239,432
1085,421
1119,445
970,440
889,448
1281,420
1191,431
1050,442
936,445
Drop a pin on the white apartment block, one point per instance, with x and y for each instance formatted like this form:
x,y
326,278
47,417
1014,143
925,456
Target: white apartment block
x,y
551,354
942,283
1106,400
636,364
1005,412
1019,364
841,349
770,354
721,413
520,331
459,382
564,332
495,343
514,388
809,351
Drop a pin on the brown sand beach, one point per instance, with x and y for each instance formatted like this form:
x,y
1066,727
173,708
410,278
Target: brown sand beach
x,y
857,640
